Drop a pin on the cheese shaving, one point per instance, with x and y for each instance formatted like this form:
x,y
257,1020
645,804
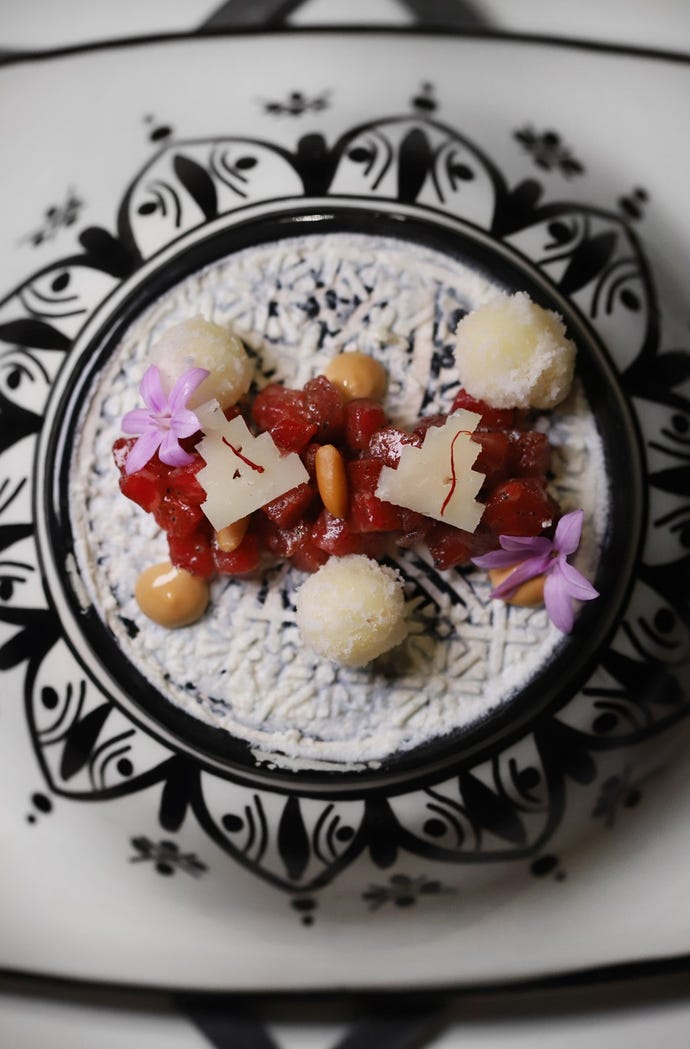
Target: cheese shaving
x,y
437,479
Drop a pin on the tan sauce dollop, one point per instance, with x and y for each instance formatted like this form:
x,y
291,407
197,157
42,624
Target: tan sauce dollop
x,y
171,596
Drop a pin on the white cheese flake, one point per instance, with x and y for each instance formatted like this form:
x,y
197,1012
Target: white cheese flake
x,y
242,472
437,479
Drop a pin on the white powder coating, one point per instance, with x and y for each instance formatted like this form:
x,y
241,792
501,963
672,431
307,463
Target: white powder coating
x,y
511,353
244,668
197,343
352,610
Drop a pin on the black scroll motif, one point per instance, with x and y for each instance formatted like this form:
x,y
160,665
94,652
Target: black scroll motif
x,y
502,809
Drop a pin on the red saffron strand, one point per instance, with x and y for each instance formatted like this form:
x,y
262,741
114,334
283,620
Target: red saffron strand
x,y
453,476
238,452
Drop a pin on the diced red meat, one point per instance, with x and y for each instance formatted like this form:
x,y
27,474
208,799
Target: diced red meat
x,y
121,449
368,513
308,457
387,443
296,526
182,482
308,557
492,458
491,418
145,487
451,546
363,417
193,552
284,414
520,506
178,511
244,559
335,536
324,407
426,423
287,509
414,536
294,544
177,517
529,454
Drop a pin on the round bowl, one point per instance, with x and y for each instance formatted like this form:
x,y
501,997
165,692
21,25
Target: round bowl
x,y
512,788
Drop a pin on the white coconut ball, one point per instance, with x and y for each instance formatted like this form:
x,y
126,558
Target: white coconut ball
x,y
197,343
352,610
512,353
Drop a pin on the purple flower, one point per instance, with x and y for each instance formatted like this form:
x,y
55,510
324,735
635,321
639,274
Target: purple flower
x,y
537,555
164,422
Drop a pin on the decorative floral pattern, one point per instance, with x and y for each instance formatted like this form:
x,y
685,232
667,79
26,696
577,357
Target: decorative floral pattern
x,y
166,857
548,152
403,891
57,217
617,792
503,808
297,103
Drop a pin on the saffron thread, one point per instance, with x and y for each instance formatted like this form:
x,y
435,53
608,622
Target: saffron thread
x,y
238,452
453,475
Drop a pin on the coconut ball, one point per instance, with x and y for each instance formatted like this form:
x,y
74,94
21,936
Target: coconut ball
x,y
512,353
352,610
197,343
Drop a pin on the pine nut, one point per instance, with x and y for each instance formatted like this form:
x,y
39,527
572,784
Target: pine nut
x,y
529,595
230,537
331,479
357,375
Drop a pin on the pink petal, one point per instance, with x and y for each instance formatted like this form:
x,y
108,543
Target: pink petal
x,y
496,559
178,457
526,544
185,387
516,548
534,566
171,453
574,582
144,449
137,421
151,390
569,532
184,423
558,603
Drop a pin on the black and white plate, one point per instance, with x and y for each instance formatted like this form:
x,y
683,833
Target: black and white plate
x,y
140,853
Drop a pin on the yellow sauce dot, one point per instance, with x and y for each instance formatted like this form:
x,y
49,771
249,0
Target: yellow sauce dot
x,y
357,375
529,595
171,596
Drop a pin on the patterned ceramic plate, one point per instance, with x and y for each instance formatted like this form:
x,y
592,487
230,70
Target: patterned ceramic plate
x,y
319,191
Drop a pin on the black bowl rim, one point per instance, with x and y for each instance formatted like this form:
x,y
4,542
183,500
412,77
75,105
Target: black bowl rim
x,y
596,621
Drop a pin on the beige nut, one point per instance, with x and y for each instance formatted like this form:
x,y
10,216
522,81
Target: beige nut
x,y
529,595
357,375
331,479
230,537
171,596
